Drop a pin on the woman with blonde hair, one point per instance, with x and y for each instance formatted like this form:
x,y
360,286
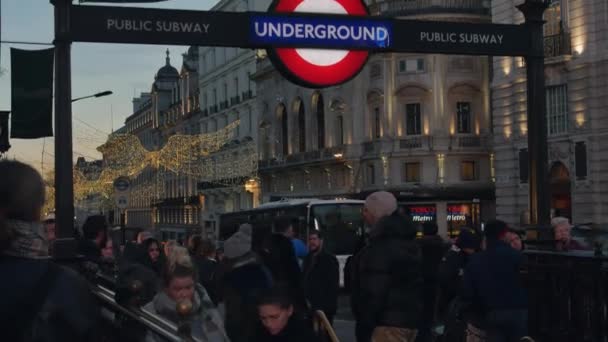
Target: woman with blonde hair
x,y
179,286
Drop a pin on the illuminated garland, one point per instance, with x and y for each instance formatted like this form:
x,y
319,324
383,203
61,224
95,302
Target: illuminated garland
x,y
199,156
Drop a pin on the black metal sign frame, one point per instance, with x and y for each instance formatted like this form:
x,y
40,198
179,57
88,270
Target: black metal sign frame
x,y
91,24
233,29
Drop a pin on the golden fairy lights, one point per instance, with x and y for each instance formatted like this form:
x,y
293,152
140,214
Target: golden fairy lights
x,y
204,157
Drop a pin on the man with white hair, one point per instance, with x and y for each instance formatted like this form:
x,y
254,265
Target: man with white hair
x,y
561,234
387,275
378,205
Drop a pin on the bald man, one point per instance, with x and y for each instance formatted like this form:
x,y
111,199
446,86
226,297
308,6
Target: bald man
x,y
387,282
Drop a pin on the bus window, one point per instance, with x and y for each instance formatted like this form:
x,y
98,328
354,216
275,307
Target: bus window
x,y
341,225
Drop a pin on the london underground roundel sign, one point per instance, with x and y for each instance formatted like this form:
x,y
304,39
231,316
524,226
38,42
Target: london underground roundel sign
x,y
320,67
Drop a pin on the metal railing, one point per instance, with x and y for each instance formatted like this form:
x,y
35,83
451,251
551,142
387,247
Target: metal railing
x,y
557,45
568,296
418,142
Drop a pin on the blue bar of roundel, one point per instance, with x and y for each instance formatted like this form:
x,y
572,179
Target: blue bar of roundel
x,y
357,24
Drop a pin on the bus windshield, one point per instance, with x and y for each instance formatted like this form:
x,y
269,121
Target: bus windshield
x,y
341,225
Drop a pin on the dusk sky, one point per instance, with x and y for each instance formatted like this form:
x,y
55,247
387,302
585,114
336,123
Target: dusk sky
x,y
124,69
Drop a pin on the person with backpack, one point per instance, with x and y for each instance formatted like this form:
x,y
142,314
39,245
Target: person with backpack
x,y
39,301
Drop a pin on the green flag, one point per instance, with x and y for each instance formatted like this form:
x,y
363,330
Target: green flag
x,y
31,93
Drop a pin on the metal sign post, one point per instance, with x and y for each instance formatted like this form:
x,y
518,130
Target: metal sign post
x,y
65,245
540,209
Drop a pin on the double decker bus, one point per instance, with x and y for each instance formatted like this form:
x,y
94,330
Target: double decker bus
x,y
340,222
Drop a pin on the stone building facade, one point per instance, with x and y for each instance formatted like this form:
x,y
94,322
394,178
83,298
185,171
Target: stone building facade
x,y
416,125
576,66
228,94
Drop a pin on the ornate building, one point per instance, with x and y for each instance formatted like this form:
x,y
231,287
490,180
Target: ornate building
x,y
416,125
576,42
159,198
227,95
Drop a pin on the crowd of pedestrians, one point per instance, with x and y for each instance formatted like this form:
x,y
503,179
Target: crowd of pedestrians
x,y
402,288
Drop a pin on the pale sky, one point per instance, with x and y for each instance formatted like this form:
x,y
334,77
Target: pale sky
x,y
124,69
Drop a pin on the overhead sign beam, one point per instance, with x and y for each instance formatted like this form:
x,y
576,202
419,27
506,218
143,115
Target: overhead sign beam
x,y
262,30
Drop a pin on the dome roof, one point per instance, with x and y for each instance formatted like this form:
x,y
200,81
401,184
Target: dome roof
x,y
167,71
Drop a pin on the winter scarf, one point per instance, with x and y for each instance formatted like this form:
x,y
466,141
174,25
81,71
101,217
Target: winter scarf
x,y
206,320
29,240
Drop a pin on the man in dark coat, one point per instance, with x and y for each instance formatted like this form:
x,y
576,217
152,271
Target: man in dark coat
x,y
321,277
433,249
387,279
493,286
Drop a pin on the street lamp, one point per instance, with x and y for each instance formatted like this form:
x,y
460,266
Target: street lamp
x,y
103,93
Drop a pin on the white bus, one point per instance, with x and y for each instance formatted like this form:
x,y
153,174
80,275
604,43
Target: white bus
x,y
340,222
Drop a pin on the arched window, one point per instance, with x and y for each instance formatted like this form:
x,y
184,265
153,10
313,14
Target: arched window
x,y
301,127
320,111
282,116
339,130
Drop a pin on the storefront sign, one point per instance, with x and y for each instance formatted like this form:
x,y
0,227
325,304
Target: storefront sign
x,y
459,212
423,213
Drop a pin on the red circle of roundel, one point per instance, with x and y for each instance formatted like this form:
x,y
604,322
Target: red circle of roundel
x,y
305,73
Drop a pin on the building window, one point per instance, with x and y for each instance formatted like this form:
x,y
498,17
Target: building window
x,y
412,114
225,92
284,131
320,122
557,109
523,166
249,121
463,115
553,19
580,157
301,128
377,123
411,65
412,173
236,86
340,130
371,174
467,171
215,97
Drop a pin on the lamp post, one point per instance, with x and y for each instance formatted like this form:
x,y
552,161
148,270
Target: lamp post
x,y
101,94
